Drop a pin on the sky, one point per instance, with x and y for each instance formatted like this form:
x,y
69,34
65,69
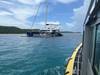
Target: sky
x,y
69,14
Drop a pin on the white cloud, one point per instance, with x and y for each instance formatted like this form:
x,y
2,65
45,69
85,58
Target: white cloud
x,y
26,1
9,21
5,13
19,13
33,2
79,16
66,1
5,2
22,13
69,24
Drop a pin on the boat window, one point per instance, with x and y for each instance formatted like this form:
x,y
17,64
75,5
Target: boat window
x,y
97,52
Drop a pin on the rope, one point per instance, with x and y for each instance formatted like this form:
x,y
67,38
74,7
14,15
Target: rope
x,y
35,16
46,12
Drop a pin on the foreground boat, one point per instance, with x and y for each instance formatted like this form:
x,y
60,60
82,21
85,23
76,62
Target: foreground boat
x,y
85,60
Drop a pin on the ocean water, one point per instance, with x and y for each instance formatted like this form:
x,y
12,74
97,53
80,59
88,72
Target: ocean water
x,y
20,55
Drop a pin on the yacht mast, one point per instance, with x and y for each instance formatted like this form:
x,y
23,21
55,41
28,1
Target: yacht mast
x,y
46,12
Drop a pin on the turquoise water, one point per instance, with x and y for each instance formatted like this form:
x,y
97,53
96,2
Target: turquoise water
x,y
35,56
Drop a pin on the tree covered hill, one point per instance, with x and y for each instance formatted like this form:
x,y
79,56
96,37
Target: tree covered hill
x,y
14,30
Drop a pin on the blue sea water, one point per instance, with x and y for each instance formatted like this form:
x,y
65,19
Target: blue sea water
x,y
21,55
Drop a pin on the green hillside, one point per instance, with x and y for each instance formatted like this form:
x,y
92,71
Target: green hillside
x,y
14,30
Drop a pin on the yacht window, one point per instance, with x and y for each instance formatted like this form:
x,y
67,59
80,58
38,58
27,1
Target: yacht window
x,y
97,52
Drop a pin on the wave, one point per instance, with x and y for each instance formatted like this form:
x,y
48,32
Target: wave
x,y
58,70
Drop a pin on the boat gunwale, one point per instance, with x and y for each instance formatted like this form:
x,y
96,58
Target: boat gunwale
x,y
71,60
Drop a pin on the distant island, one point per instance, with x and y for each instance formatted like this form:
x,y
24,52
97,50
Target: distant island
x,y
16,30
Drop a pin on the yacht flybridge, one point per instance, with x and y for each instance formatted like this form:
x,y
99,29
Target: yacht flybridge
x,y
49,30
85,59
